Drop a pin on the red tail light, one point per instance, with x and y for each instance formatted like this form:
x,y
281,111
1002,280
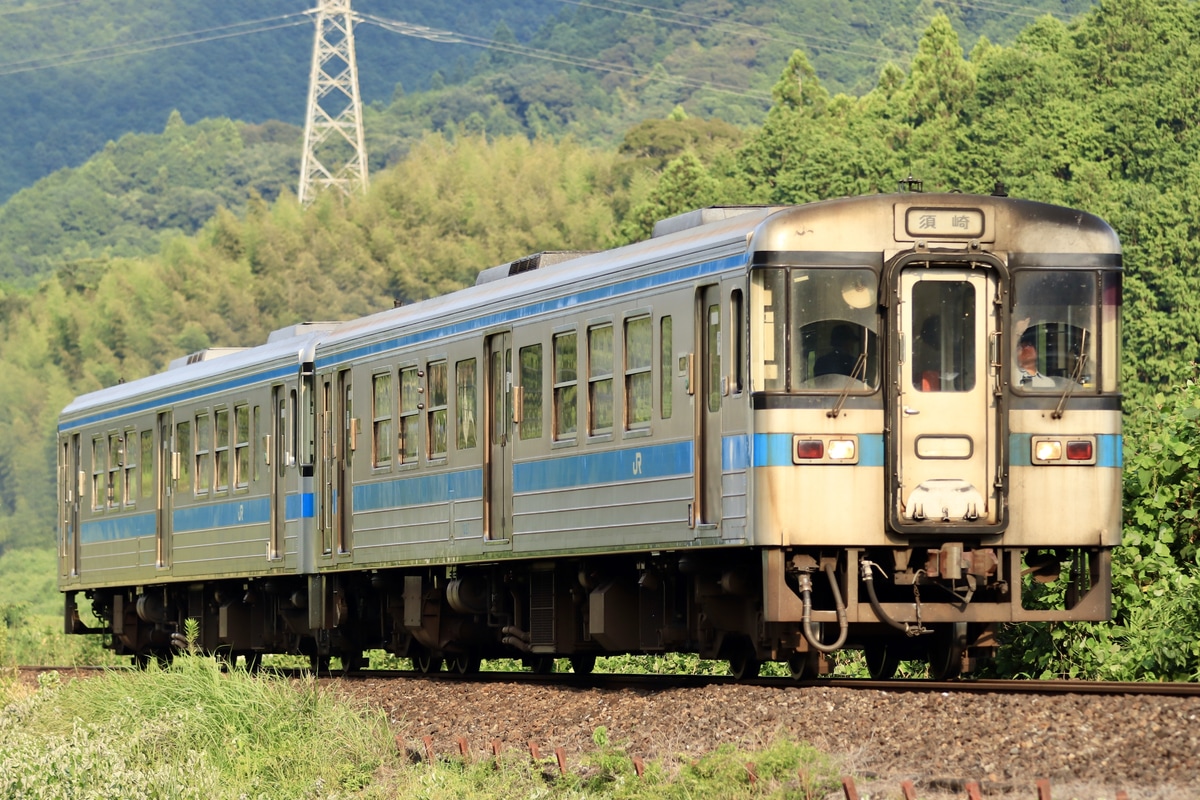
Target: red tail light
x,y
1079,451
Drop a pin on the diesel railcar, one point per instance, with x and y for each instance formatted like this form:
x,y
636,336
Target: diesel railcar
x,y
765,433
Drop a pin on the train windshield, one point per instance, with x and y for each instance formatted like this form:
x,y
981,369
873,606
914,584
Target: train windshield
x,y
814,330
1065,331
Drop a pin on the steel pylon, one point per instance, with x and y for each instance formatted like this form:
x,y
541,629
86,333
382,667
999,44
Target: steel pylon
x,y
334,152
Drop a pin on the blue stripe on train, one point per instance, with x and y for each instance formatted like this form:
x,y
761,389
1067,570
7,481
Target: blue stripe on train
x,y
117,528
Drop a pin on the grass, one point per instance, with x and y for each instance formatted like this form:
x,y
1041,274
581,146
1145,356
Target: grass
x,y
194,731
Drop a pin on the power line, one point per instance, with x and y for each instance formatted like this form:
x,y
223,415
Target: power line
x,y
140,46
454,37
706,22
26,9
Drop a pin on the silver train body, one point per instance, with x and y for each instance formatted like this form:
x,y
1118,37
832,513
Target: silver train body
x,y
763,434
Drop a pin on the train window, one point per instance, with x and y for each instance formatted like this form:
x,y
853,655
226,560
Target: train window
x,y
99,473
713,334
221,450
600,379
203,455
381,416
639,386
666,349
183,446
256,431
833,325
1054,320
531,392
114,467
768,300
147,472
438,396
410,390
737,341
241,447
465,403
566,378
129,462
943,350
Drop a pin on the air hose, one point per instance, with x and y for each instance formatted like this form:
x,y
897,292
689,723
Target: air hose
x,y
806,597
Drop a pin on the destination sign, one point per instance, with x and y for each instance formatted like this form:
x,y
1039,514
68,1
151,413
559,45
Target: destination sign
x,y
958,223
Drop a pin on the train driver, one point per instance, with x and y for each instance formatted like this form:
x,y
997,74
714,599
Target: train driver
x,y
1028,375
842,354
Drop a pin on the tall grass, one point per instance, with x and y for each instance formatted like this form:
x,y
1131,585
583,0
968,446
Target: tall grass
x,y
194,731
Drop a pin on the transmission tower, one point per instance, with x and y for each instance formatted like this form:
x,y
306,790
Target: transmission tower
x,y
334,153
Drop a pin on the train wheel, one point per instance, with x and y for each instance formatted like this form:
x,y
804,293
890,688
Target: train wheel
x,y
426,662
583,663
541,665
464,664
946,651
744,665
318,664
805,665
882,661
254,661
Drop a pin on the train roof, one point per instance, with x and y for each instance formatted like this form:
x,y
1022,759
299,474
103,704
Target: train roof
x,y
284,351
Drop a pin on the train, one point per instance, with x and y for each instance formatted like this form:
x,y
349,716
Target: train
x,y
763,434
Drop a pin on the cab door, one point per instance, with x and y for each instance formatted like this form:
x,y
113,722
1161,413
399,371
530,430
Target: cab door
x,y
945,442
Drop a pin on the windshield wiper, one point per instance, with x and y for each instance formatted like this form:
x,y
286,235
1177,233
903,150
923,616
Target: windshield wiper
x,y
860,367
1073,380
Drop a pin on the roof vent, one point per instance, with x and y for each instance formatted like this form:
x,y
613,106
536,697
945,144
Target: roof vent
x,y
527,264
301,329
204,355
701,216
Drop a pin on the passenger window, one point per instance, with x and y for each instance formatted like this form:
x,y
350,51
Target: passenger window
x,y
638,377
241,447
381,415
203,454
147,473
566,380
221,451
255,459
666,362
465,401
114,467
600,379
438,395
531,392
714,357
737,334
943,351
99,473
183,446
409,418
129,480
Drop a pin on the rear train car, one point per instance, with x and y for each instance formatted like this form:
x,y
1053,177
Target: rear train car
x,y
765,434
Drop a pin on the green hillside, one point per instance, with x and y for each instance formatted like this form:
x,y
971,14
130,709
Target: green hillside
x,y
78,75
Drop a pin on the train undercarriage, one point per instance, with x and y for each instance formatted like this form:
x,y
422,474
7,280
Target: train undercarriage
x,y
940,604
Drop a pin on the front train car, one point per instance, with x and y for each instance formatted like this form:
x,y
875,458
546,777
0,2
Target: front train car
x,y
936,422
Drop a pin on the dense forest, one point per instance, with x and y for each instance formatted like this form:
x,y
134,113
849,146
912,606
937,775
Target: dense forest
x,y
1098,113
83,73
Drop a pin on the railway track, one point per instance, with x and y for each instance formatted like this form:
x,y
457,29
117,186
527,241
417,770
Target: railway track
x,y
662,681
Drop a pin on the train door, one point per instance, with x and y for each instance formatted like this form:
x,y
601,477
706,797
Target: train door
x,y
164,489
945,440
498,421
345,443
69,484
277,462
707,396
